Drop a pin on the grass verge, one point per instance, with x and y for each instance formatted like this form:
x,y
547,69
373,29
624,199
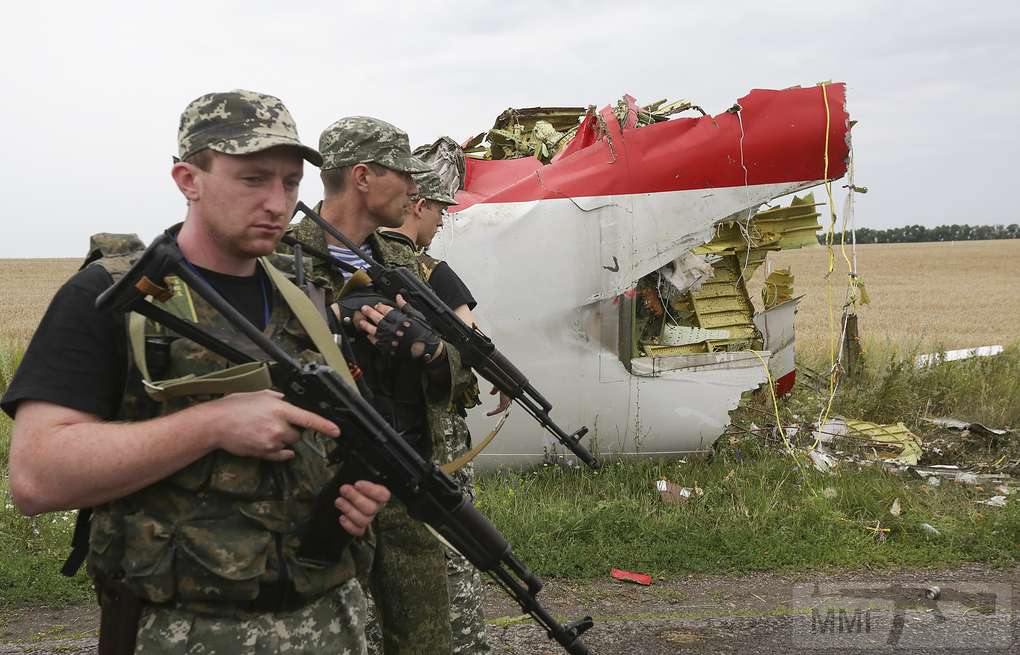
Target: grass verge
x,y
31,549
759,509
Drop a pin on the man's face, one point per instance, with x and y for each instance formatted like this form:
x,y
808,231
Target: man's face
x,y
432,214
389,195
246,201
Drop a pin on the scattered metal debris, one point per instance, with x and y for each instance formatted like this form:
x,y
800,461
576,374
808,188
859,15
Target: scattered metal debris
x,y
964,426
954,355
893,443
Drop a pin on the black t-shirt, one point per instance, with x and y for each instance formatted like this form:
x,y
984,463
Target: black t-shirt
x,y
78,355
450,288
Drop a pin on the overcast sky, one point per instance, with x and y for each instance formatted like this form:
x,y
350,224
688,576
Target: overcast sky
x,y
92,91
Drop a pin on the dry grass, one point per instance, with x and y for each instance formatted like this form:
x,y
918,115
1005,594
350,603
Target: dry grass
x,y
924,296
26,288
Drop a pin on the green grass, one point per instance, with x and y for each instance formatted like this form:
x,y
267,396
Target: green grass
x,y
761,509
981,389
31,549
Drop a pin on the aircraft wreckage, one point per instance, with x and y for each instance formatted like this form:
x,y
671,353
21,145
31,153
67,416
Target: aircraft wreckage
x,y
609,252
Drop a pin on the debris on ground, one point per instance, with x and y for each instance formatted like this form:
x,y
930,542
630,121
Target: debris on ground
x,y
672,493
930,529
630,576
966,427
931,359
994,501
893,443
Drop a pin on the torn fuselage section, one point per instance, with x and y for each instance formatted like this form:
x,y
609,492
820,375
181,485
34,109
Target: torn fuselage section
x,y
610,252
699,303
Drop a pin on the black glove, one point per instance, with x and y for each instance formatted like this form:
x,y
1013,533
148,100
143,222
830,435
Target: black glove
x,y
408,322
401,330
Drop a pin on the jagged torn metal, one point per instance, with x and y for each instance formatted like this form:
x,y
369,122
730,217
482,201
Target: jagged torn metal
x,y
548,249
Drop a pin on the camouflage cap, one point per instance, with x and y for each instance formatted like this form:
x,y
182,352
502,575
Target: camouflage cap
x,y
239,122
362,139
430,187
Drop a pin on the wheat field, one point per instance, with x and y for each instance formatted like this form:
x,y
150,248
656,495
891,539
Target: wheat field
x,y
26,288
923,295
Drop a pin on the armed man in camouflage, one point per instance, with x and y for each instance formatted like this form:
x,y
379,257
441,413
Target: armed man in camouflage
x,y
366,175
199,493
422,221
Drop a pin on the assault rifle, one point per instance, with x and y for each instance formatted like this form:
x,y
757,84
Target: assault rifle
x,y
369,449
475,348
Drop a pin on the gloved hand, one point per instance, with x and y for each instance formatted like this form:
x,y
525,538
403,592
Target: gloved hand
x,y
400,331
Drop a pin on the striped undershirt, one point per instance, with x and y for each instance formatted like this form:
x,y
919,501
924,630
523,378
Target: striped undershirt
x,y
347,256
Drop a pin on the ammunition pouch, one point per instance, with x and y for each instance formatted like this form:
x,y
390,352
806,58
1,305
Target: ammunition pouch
x,y
120,612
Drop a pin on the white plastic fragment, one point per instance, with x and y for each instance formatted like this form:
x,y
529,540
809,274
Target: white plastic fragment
x,y
954,355
930,529
822,460
994,501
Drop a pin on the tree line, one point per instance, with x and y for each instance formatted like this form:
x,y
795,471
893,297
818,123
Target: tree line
x,y
920,233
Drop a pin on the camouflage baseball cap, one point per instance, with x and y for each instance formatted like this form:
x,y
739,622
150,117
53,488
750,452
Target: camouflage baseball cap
x,y
362,139
239,122
430,187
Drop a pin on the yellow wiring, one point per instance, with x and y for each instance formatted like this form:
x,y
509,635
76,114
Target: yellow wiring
x,y
853,281
829,236
775,401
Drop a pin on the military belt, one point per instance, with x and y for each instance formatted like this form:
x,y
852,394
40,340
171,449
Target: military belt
x,y
277,597
273,597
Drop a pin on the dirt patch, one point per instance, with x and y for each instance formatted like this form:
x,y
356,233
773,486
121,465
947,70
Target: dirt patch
x,y
761,613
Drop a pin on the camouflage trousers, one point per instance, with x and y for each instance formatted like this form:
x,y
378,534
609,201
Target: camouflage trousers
x,y
463,581
467,622
332,624
411,609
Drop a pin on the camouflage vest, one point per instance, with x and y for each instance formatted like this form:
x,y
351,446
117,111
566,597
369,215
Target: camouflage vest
x,y
208,536
427,265
394,250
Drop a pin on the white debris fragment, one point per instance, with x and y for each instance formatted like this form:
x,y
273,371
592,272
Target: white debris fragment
x,y
994,501
930,529
954,355
823,460
895,509
835,427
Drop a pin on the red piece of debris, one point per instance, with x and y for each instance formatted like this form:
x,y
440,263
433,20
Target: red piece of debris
x,y
630,576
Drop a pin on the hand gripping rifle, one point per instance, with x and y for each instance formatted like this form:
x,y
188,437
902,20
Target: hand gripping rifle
x,y
475,348
370,449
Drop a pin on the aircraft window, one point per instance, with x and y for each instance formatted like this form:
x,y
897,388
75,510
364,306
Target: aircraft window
x,y
657,319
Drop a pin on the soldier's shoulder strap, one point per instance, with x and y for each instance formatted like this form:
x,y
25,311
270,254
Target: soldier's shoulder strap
x,y
427,265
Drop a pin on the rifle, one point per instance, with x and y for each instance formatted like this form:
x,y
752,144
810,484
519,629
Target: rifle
x,y
475,348
370,448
